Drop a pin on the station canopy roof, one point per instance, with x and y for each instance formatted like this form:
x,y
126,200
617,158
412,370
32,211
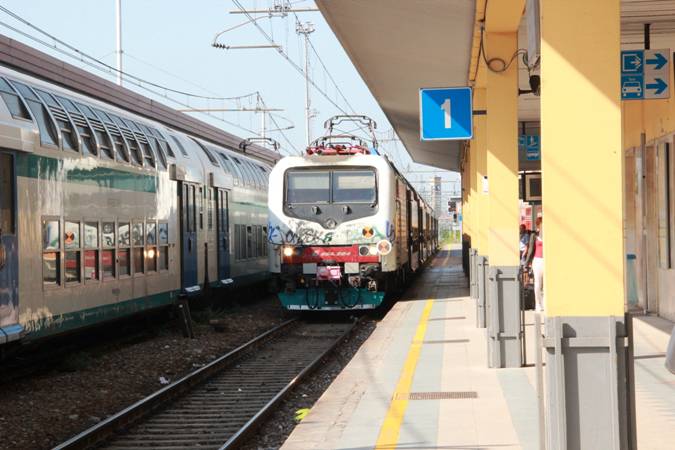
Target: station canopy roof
x,y
400,46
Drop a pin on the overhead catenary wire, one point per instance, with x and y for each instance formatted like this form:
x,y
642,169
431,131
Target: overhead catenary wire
x,y
84,55
101,66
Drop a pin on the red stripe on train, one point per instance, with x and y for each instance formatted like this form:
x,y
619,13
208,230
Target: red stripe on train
x,y
337,254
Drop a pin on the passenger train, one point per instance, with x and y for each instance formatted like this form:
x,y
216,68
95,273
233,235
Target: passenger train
x,y
346,227
105,213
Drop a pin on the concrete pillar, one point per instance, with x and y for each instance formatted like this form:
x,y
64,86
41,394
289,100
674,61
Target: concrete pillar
x,y
503,298
586,362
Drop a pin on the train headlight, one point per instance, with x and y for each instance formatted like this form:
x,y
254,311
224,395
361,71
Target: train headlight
x,y
384,247
372,250
288,251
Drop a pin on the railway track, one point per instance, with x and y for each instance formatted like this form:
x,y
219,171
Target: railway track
x,y
216,406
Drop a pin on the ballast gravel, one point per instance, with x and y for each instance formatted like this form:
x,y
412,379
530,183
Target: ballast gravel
x,y
276,429
46,408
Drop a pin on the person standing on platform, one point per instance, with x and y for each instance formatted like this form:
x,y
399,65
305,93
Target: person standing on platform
x,y
535,257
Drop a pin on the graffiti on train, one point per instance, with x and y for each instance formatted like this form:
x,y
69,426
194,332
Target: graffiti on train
x,y
302,235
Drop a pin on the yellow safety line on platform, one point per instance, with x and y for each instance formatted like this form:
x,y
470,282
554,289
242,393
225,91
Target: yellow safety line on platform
x,y
391,427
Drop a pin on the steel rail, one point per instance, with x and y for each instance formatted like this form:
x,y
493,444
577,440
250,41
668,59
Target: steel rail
x,y
104,429
193,399
259,418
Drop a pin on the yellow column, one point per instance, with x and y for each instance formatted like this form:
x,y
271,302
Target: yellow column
x,y
467,194
482,205
502,153
582,158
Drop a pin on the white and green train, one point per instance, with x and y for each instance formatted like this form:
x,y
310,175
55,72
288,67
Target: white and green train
x,y
106,213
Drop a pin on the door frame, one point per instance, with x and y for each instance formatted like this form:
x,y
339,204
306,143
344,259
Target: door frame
x,y
11,330
224,277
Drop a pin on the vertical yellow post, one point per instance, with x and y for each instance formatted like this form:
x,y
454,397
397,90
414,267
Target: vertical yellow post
x,y
467,197
482,205
586,367
581,158
502,153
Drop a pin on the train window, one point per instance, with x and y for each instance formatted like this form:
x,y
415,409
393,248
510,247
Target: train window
x,y
97,127
250,244
264,175
354,186
231,168
16,106
51,252
242,241
255,174
162,142
91,234
48,134
71,243
264,229
151,248
137,237
163,230
81,123
208,153
306,186
108,264
69,138
157,148
124,239
179,145
118,141
163,249
90,265
138,250
108,254
259,240
130,138
209,209
245,176
146,150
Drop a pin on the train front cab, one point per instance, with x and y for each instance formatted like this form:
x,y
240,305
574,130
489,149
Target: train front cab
x,y
10,330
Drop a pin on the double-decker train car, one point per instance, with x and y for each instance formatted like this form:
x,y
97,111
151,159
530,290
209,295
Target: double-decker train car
x,y
345,226
105,212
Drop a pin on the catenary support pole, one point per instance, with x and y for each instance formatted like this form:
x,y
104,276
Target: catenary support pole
x,y
118,39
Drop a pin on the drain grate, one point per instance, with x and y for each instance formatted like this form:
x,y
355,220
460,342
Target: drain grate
x,y
448,395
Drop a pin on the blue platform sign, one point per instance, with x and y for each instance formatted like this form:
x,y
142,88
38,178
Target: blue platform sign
x,y
532,146
446,114
644,74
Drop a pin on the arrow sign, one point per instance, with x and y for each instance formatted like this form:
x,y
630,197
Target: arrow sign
x,y
659,86
658,61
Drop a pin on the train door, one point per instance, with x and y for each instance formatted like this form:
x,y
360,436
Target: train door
x,y
189,248
223,237
10,330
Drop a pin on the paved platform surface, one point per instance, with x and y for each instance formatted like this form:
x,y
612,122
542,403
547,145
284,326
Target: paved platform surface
x,y
428,347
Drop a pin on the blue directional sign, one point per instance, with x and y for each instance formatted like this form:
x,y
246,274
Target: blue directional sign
x,y
644,74
532,146
446,114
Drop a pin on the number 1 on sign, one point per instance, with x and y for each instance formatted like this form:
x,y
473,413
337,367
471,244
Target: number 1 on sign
x,y
446,109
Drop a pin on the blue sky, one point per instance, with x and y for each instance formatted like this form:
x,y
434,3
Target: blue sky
x,y
168,42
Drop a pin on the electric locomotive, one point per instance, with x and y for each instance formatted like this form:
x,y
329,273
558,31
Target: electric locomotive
x,y
346,227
